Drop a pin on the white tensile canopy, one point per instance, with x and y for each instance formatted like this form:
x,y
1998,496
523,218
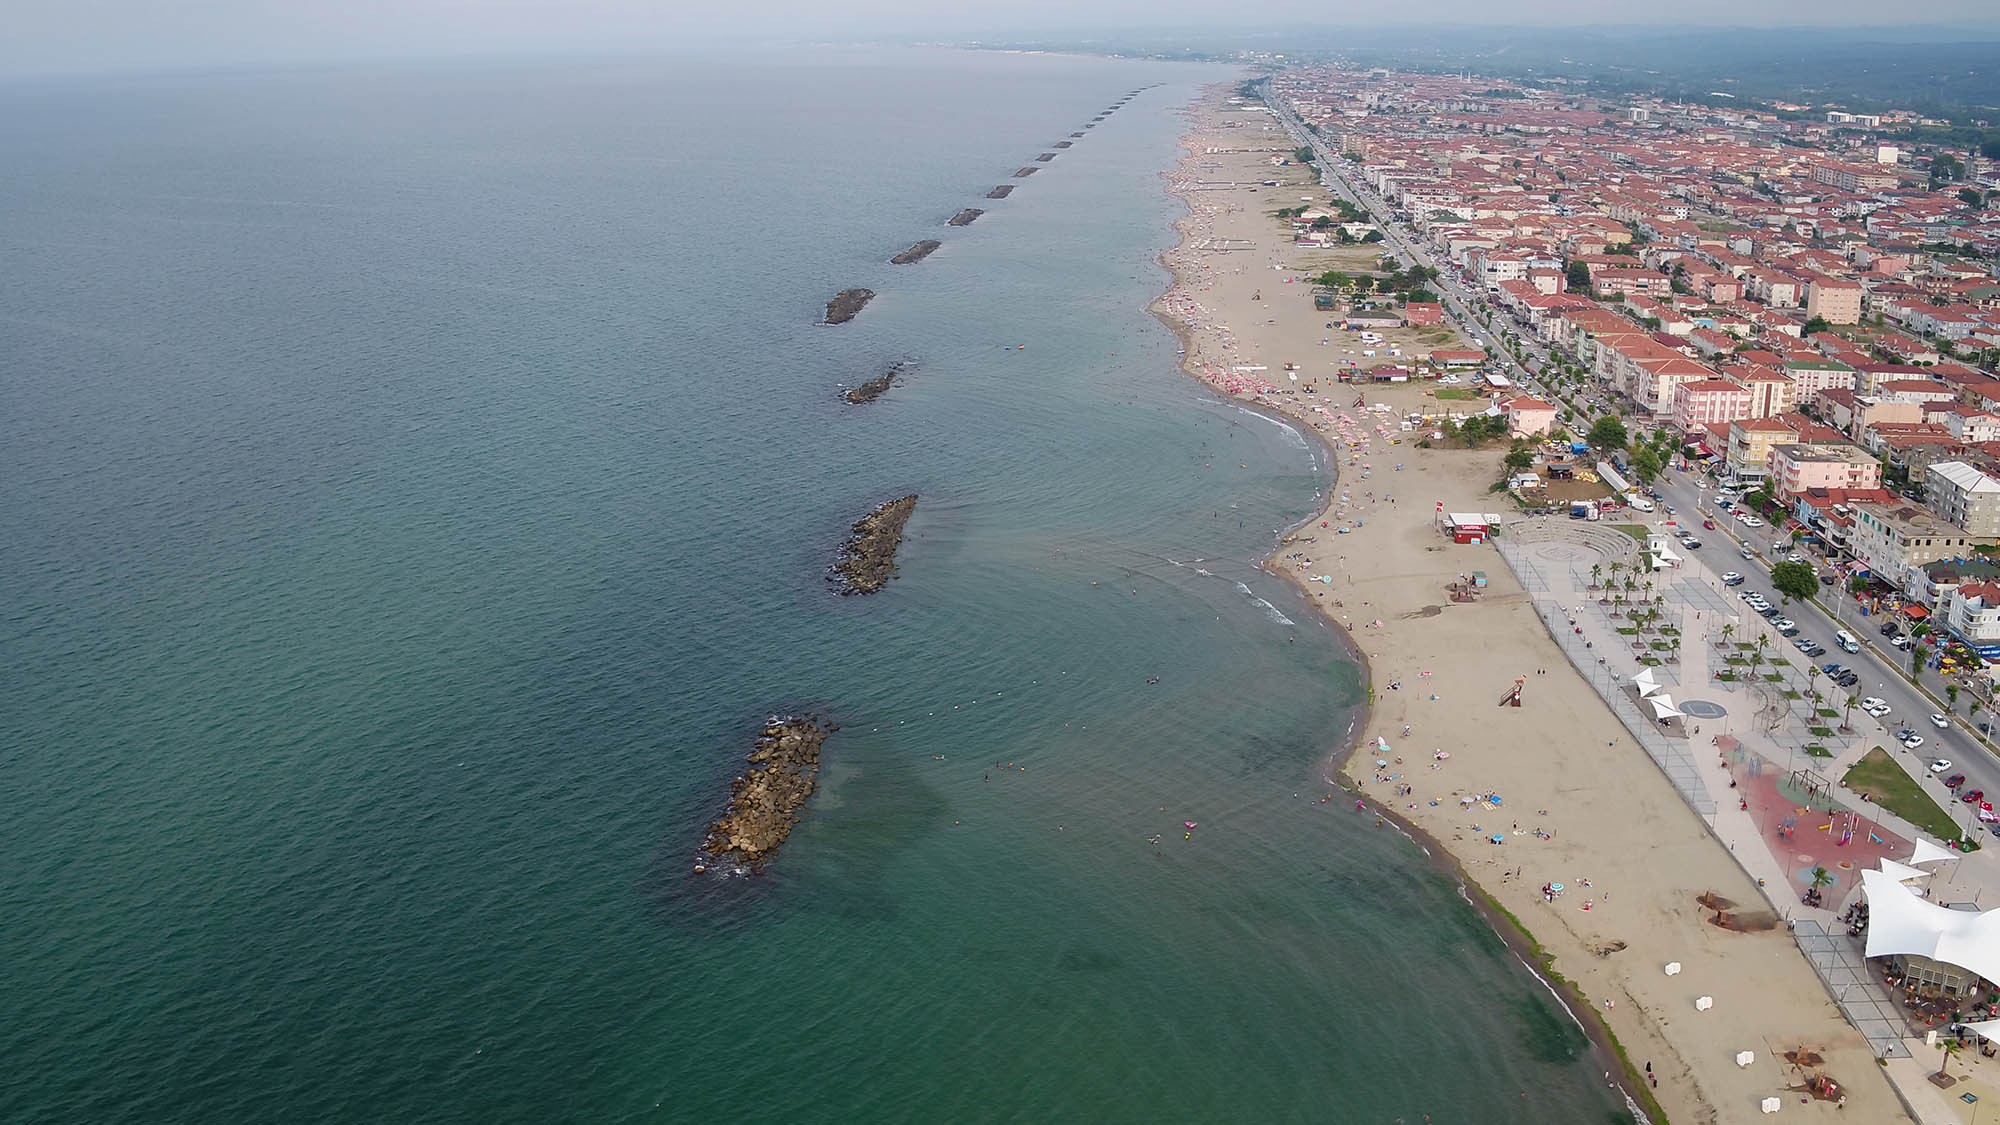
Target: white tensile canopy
x,y
1902,873
1928,852
1985,1029
1900,922
1665,554
1663,706
1645,682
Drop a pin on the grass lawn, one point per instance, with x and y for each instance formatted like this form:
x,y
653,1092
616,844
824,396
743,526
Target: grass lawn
x,y
1449,393
1818,752
1635,530
1878,775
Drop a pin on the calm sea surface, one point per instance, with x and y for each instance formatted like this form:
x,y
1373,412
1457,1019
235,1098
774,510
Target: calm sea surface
x,y
416,483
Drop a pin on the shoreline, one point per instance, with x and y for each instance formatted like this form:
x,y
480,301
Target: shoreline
x,y
1526,948
1237,304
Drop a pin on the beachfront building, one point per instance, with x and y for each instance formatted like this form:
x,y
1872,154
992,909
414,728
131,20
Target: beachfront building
x,y
1895,543
1796,469
1701,402
1964,497
1971,611
1528,416
1750,442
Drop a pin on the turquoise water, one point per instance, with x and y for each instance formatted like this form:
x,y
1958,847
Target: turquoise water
x,y
418,483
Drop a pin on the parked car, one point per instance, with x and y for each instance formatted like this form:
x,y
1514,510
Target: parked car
x,y
1788,630
1750,521
1889,628
1899,642
1782,623
1809,646
1876,708
1972,796
1848,678
1691,543
1914,741
1943,764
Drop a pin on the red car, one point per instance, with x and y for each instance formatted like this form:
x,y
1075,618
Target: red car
x,y
1954,781
1972,796
1708,524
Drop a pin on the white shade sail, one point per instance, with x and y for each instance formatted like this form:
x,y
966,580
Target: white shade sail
x,y
1900,922
1928,852
1663,706
1902,872
1645,682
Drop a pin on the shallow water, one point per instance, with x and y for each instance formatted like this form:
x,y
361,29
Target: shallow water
x,y
418,484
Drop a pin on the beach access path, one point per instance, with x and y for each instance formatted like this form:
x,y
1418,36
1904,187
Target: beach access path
x,y
1580,804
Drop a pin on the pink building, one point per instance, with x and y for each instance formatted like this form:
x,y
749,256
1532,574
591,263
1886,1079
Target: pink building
x,y
1529,417
1796,469
1704,401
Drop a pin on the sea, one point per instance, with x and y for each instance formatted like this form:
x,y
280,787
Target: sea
x,y
417,482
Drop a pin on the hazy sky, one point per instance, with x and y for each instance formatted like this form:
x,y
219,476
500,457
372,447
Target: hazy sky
x,y
97,35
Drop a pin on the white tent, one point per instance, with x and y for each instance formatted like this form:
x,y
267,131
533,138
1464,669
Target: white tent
x,y
1928,852
1771,1105
1902,873
1745,1058
1663,706
1900,922
1645,682
1665,554
1985,1029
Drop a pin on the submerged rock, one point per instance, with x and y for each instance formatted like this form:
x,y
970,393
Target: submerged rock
x,y
846,303
1024,173
1046,157
764,803
964,218
1000,192
873,388
869,559
1064,144
916,253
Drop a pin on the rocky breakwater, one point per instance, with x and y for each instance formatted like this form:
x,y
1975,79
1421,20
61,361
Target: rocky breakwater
x,y
964,218
868,561
873,388
1024,173
846,303
915,253
764,802
1000,192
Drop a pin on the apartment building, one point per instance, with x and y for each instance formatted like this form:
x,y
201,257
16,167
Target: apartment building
x,y
1963,497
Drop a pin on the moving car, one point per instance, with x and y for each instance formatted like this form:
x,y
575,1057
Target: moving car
x,y
1940,722
1731,578
1745,552
1708,525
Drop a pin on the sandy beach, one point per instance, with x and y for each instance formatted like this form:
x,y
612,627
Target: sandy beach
x,y
1581,805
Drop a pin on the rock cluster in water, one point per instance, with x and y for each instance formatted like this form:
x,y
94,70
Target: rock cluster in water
x,y
916,253
846,303
1000,192
964,218
1024,173
868,560
764,803
873,388
1046,157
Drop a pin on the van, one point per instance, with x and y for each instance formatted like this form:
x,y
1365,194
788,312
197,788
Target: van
x,y
1638,502
1846,641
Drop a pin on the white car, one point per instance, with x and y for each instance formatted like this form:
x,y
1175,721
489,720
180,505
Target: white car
x,y
1941,765
1912,742
1731,578
1751,521
1447,380
1940,722
1876,708
1783,623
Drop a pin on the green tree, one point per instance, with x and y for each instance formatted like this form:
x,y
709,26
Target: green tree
x,y
1608,433
1372,236
1794,580
1578,276
1646,464
1324,222
1520,457
1304,154
1945,168
1857,585
1815,324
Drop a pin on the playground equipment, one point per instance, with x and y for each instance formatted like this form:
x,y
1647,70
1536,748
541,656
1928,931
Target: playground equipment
x,y
1513,696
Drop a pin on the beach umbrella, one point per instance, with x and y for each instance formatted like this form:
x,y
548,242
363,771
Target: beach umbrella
x,y
1703,1003
1745,1058
1772,1105
1673,968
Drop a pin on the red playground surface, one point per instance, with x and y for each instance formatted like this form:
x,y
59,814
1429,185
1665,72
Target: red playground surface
x,y
1798,823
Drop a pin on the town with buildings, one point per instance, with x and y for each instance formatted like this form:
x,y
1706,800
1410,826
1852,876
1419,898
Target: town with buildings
x,y
1809,308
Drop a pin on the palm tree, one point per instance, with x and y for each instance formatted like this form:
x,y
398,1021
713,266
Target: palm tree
x,y
1596,572
1821,877
1649,590
1853,698
1951,1047
1728,631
